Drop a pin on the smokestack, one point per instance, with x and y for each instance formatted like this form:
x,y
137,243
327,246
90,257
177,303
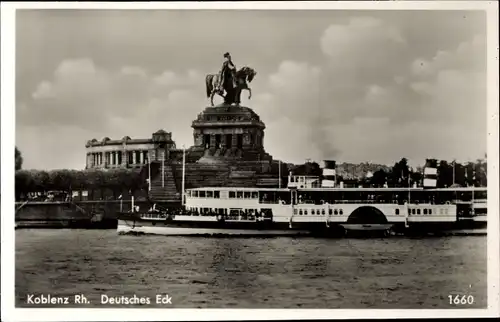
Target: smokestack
x,y
430,174
329,174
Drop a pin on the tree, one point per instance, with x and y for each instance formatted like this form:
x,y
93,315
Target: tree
x,y
480,169
379,178
41,180
416,177
308,169
19,159
469,172
444,174
400,173
460,175
61,180
23,183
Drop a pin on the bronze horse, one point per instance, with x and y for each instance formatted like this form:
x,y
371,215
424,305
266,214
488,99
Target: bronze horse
x,y
242,77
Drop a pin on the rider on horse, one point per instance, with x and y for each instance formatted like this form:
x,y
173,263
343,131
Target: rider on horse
x,y
227,74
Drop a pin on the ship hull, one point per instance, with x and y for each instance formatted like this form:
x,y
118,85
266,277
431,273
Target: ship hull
x,y
188,228
269,228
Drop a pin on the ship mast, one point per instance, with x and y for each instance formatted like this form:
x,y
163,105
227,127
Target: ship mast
x,y
279,174
149,173
163,169
183,172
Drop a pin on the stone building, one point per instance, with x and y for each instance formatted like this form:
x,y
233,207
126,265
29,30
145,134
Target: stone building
x,y
130,153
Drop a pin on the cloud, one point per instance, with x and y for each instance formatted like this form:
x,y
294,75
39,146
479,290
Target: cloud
x,y
83,101
453,86
369,45
85,95
374,101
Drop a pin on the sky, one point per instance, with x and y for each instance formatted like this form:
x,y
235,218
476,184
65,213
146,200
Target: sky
x,y
352,86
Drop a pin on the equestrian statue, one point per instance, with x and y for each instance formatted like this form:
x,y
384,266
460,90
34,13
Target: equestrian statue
x,y
229,82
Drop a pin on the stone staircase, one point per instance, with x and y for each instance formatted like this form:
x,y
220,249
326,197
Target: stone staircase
x,y
207,174
165,191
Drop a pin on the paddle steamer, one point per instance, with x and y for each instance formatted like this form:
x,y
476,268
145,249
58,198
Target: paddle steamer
x,y
316,206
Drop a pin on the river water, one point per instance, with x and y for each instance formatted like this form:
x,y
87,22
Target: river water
x,y
200,272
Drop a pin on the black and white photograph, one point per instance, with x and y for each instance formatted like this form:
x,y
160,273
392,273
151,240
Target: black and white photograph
x,y
308,157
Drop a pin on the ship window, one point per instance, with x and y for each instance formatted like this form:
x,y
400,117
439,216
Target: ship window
x,y
300,212
239,194
430,211
255,195
312,212
202,194
413,211
295,211
216,194
195,194
330,211
247,194
425,211
232,194
341,212
323,211
305,212
418,211
210,194
336,212
396,211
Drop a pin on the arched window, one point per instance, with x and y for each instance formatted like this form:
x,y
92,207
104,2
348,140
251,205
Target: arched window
x,y
336,212
341,212
330,211
396,211
300,212
322,211
425,211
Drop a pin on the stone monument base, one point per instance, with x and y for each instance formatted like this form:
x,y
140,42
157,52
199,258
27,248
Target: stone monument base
x,y
228,134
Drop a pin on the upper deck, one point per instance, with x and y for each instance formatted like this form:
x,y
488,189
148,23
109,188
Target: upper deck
x,y
337,195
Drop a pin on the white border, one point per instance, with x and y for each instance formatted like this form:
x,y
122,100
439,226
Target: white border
x,y
9,313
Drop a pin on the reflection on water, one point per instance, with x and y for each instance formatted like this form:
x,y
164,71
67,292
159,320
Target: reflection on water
x,y
252,272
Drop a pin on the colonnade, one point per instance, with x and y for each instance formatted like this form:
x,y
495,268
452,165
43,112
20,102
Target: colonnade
x,y
117,158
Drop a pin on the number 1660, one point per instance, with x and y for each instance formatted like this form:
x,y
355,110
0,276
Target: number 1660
x,y
461,300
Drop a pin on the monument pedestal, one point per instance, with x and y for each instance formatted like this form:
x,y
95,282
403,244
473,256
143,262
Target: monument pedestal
x,y
227,133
